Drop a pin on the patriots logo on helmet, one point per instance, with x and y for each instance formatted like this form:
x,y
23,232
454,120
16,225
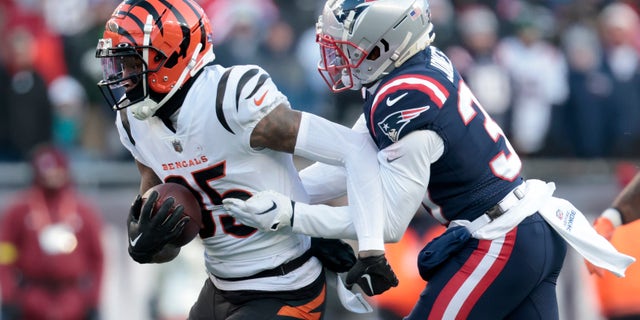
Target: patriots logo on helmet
x,y
347,5
393,124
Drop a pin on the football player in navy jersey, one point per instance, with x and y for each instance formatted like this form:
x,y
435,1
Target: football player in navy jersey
x,y
503,250
228,131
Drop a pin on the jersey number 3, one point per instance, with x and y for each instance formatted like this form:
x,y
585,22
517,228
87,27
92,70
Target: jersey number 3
x,y
506,164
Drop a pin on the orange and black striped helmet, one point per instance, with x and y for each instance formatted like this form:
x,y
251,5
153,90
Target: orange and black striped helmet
x,y
169,36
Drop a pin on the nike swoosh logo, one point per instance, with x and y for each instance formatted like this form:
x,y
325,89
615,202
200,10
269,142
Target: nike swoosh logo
x,y
273,207
393,101
134,241
389,160
368,278
259,101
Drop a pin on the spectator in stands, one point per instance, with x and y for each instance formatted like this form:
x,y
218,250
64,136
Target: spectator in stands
x,y
69,100
277,56
99,137
6,149
476,61
48,54
586,119
239,26
539,84
51,258
29,112
620,28
307,55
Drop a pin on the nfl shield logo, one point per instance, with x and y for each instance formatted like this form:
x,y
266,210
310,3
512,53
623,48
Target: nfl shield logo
x,y
177,146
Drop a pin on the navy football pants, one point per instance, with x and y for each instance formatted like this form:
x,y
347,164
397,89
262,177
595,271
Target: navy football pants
x,y
512,277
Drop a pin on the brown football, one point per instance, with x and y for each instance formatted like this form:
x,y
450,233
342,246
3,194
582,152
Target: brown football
x,y
184,197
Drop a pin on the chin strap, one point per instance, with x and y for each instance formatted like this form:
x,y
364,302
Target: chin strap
x,y
183,75
147,107
141,110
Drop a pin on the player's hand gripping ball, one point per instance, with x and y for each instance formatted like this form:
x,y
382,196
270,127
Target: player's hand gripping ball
x,y
191,208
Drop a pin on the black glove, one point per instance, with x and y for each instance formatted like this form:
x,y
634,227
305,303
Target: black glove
x,y
335,255
148,235
372,274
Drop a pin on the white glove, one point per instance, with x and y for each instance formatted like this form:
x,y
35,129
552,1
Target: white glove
x,y
265,210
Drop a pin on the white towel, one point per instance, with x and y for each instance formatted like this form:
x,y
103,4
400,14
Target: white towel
x,y
563,217
574,227
353,302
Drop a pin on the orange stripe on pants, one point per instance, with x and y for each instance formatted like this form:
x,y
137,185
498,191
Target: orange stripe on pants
x,y
305,311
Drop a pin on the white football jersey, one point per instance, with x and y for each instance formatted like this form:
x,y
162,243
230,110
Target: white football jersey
x,y
210,153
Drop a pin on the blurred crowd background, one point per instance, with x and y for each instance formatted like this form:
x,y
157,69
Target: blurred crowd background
x,y
562,78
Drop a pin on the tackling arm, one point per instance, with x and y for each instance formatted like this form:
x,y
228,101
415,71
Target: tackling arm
x,y
404,176
318,139
628,201
324,182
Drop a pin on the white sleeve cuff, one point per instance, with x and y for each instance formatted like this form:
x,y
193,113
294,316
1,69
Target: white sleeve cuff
x,y
613,215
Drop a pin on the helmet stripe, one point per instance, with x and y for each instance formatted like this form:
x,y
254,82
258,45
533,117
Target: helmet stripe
x,y
126,34
175,11
195,11
199,15
150,10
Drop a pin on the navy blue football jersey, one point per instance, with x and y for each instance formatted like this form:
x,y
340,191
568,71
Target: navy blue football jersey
x,y
478,167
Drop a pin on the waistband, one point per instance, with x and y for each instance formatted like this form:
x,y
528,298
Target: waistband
x,y
280,270
510,200
506,203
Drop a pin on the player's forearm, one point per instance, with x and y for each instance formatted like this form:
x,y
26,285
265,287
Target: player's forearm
x,y
148,178
324,141
324,182
277,130
323,221
405,173
628,201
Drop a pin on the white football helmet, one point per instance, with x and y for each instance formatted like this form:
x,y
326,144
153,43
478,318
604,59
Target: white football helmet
x,y
362,40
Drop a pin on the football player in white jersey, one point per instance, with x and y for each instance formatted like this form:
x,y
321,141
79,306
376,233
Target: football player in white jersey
x,y
228,132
